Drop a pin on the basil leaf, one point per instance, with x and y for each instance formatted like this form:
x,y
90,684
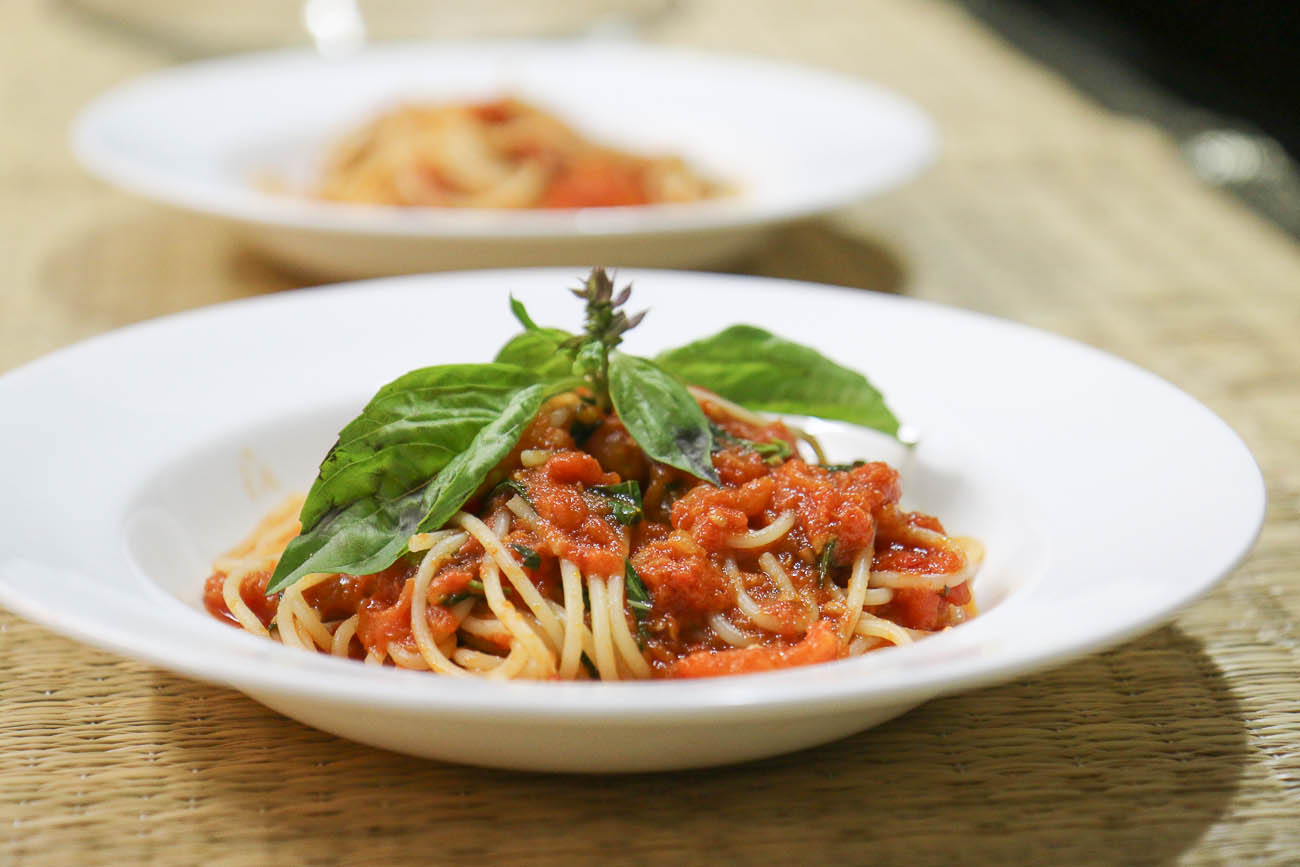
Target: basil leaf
x,y
521,313
454,485
638,599
473,588
393,479
540,350
365,536
637,595
827,559
773,452
514,485
528,556
624,500
590,360
661,415
759,370
842,468
409,431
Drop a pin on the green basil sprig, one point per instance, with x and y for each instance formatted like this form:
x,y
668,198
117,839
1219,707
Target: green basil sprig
x,y
660,414
394,474
515,486
527,556
535,348
774,452
761,371
427,441
624,500
638,599
825,562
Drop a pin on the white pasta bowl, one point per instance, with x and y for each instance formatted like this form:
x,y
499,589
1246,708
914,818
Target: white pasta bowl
x,y
1081,473
790,141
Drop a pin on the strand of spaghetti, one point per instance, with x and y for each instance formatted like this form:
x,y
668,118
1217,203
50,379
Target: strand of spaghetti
x,y
723,628
476,660
574,609
375,656
232,593
859,578
972,553
587,644
577,637
404,658
258,553
877,596
491,543
764,536
871,625
524,637
733,409
770,565
512,665
874,596
285,612
491,629
525,512
268,538
424,541
863,643
286,626
920,580
926,536
310,621
531,670
432,561
342,641
623,639
604,658
803,436
746,603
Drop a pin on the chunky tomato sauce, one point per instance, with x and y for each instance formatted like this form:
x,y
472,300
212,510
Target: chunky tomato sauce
x,y
683,548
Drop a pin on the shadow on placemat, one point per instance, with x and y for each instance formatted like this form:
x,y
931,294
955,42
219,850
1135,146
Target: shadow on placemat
x,y
821,252
1131,754
136,263
147,262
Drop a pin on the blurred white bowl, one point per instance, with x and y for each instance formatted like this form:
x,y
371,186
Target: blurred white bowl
x,y
793,142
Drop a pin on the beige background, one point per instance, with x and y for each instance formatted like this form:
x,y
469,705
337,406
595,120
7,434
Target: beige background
x,y
1182,745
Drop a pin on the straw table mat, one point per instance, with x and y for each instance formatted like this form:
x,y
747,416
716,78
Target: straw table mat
x,y
1183,745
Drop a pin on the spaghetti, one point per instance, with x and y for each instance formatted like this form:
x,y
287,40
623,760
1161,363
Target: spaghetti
x,y
498,154
557,568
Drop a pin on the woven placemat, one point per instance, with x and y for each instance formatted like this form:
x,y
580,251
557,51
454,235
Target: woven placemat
x,y
1182,745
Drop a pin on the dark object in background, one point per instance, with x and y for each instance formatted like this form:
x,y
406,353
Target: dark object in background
x,y
1235,57
1219,77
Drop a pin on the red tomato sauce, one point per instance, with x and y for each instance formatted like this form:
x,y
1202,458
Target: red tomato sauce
x,y
690,548
596,181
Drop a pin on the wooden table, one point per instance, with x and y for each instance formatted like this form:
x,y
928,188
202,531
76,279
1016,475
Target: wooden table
x,y
1182,745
